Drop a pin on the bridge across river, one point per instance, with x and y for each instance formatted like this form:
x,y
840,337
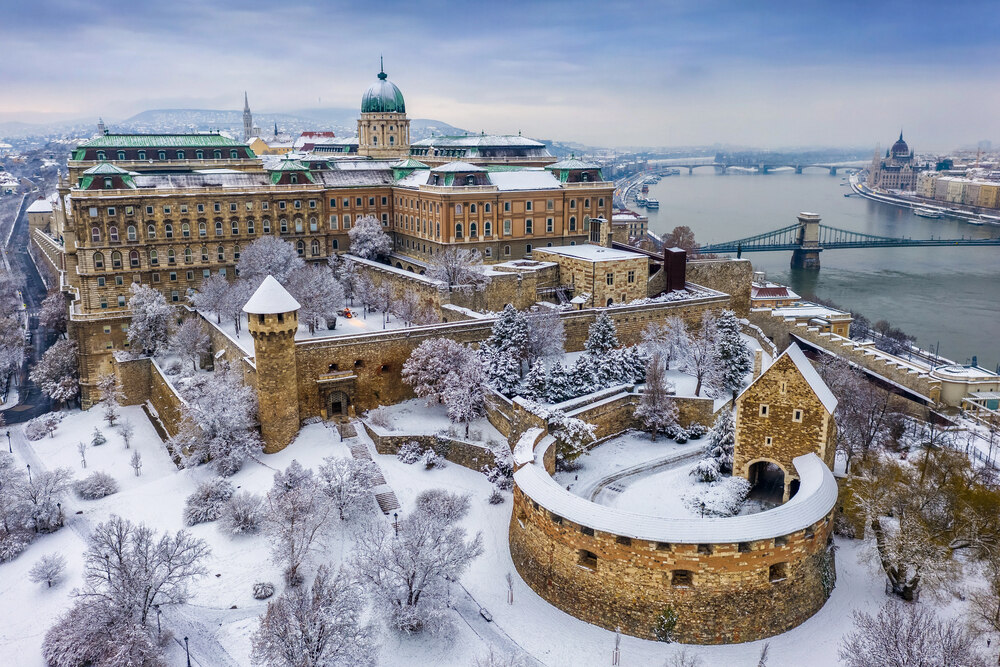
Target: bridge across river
x,y
722,164
808,238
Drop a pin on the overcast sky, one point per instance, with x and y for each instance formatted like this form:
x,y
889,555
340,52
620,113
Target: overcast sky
x,y
611,73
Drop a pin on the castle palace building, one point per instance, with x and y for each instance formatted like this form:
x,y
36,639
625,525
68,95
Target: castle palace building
x,y
170,210
896,171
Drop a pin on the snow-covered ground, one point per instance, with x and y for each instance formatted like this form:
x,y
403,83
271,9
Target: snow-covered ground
x,y
418,417
219,633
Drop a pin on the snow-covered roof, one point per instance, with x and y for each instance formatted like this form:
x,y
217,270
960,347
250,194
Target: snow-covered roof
x,y
815,498
40,206
458,166
810,374
524,450
270,298
594,253
479,140
530,178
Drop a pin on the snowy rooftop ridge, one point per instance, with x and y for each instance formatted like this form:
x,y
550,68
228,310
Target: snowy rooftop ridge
x,y
270,298
823,392
815,499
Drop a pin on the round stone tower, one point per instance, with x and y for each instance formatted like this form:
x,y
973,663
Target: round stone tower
x,y
272,315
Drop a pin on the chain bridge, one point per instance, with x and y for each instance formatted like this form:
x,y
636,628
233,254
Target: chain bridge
x,y
807,238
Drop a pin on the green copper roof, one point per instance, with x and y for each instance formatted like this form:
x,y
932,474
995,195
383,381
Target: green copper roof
x,y
159,141
289,165
572,163
383,97
410,163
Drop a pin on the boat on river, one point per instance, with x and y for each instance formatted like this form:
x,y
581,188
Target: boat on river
x,y
927,212
652,203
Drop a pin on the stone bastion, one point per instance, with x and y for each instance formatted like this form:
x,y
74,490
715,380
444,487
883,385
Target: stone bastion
x,y
729,580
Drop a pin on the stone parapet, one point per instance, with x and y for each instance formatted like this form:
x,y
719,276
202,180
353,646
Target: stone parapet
x,y
460,452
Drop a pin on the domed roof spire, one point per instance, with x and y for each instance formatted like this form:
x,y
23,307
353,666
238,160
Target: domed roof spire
x,y
383,96
381,70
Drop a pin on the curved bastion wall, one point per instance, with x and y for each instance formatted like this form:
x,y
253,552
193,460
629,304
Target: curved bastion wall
x,y
729,580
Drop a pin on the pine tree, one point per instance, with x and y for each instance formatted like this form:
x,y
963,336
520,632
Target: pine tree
x,y
535,383
503,369
721,440
584,375
602,335
510,333
732,355
560,386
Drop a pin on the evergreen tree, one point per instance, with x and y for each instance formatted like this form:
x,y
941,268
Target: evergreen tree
x,y
732,355
584,376
602,335
560,385
510,333
535,383
503,370
721,440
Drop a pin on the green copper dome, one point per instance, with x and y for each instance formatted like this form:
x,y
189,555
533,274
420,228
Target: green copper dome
x,y
383,97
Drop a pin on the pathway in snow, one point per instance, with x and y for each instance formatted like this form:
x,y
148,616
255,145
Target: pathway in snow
x,y
384,495
623,478
199,625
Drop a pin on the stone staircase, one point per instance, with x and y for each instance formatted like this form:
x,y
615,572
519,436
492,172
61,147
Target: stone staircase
x,y
384,495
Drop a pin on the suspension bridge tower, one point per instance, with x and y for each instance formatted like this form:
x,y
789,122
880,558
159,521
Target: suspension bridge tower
x,y
806,256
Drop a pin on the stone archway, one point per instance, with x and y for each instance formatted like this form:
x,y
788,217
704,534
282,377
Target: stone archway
x,y
768,481
337,404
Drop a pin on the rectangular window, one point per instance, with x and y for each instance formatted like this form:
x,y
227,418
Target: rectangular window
x,y
297,203
312,203
357,202
249,205
681,578
232,207
549,204
173,276
527,206
104,302
797,415
347,221
218,207
333,221
265,205
528,227
609,278
184,208
506,206
587,531
190,275
121,300
201,208
156,277
548,225
107,328
371,201
506,227
111,210
174,296
763,410
250,227
347,202
333,202
768,441
385,200
101,281
631,276
119,280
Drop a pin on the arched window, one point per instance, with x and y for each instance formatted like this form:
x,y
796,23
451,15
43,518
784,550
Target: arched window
x,y
171,256
374,141
116,260
113,234
298,225
180,155
236,253
185,230
572,223
220,253
199,154
301,248
488,228
458,209
218,228
470,180
336,244
154,258
234,154
131,232
586,203
314,248
392,140
458,230
187,255
313,224
101,155
162,155
472,208
235,227
98,260
133,259
266,224
472,230
217,154
585,177
293,179
168,231
202,229
204,253
121,155
283,225
488,208
95,234
151,232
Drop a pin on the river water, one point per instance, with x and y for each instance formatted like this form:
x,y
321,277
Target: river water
x,y
944,295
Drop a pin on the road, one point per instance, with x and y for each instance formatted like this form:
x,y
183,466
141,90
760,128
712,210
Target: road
x,y
32,402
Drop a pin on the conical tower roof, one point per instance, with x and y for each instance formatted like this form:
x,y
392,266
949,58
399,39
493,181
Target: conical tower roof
x,y
271,298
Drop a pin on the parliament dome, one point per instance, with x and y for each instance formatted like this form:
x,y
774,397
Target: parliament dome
x,y
383,97
898,149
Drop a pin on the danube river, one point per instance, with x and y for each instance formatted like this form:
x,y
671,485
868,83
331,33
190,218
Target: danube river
x,y
945,295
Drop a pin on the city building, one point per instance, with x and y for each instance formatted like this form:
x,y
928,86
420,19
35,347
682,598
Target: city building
x,y
897,170
765,294
628,225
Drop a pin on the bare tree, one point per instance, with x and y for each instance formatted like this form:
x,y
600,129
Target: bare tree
x,y
316,626
347,483
318,293
296,514
907,635
190,341
211,296
236,297
127,430
82,448
49,569
111,397
461,269
546,335
656,409
136,462
268,256
699,356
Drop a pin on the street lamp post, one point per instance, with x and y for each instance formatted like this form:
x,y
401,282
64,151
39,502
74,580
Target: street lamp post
x,y
9,448
159,632
188,651
59,505
29,473
395,522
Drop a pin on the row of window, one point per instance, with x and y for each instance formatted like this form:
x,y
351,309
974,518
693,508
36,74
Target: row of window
x,y
249,206
487,207
171,255
199,154
298,225
421,226
797,413
610,278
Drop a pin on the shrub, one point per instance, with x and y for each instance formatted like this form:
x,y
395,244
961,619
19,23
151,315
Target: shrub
x,y
410,452
706,470
432,459
48,569
695,431
681,436
724,497
96,485
208,501
262,590
665,624
495,498
242,514
380,417
98,438
42,426
13,543
440,504
173,368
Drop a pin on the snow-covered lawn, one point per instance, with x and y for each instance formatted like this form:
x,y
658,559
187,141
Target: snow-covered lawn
x,y
418,417
220,634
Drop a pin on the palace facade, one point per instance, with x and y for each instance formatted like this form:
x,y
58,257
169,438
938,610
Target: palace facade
x,y
170,210
897,170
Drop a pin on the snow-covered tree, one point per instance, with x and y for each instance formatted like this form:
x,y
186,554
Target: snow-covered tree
x,y
127,430
147,332
535,385
316,626
296,514
319,294
699,354
464,392
243,514
94,632
411,309
53,312
447,507
348,483
497,658
190,341
734,358
346,273
572,436
721,441
11,343
908,635
368,238
560,386
461,269
656,409
510,333
98,438
136,462
97,484
224,409
546,335
408,573
81,447
57,373
236,297
602,336
268,256
40,496
211,296
208,501
48,570
111,397
43,425
430,364
503,369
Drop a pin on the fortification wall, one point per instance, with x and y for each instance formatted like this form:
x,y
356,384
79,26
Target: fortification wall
x,y
735,592
732,276
141,380
466,454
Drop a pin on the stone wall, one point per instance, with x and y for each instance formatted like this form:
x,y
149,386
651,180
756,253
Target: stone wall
x,y
734,594
142,380
728,275
466,454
